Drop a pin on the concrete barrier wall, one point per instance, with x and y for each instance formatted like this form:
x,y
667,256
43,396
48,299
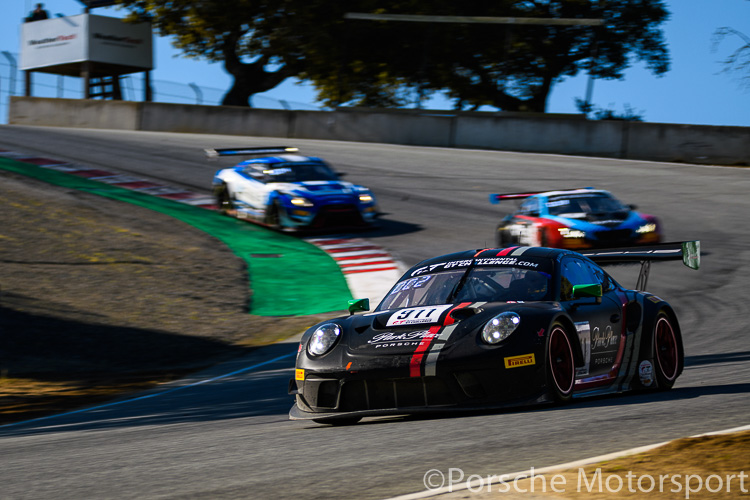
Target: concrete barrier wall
x,y
81,113
560,134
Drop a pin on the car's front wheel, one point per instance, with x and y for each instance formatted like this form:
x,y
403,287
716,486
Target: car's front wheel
x,y
273,215
560,364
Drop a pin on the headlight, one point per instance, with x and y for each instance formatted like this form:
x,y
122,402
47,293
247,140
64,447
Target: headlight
x,y
500,327
323,339
365,198
566,232
299,201
646,228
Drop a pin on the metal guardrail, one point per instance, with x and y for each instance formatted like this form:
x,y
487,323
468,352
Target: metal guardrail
x,y
47,85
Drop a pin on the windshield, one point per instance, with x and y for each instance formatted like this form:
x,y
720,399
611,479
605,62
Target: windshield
x,y
482,284
584,204
295,172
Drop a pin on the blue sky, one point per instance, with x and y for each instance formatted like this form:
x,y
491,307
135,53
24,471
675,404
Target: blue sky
x,y
694,91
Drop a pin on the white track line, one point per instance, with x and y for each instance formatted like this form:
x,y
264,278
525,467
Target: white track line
x,y
528,474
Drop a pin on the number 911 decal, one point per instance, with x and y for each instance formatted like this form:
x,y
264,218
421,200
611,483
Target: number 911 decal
x,y
417,315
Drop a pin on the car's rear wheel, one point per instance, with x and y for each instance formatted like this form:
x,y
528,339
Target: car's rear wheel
x,y
223,198
666,352
560,364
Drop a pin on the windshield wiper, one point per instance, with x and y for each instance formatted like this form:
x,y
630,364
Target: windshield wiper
x,y
461,282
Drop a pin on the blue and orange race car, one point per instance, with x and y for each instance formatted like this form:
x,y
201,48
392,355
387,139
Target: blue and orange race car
x,y
575,219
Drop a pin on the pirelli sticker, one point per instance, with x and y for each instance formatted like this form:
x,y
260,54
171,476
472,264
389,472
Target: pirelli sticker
x,y
299,374
522,360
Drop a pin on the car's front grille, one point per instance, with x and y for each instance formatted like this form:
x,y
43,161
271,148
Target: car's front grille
x,y
394,393
614,236
338,215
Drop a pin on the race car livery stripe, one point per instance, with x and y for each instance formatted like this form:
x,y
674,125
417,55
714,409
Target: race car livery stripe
x,y
416,360
519,251
430,368
436,343
505,251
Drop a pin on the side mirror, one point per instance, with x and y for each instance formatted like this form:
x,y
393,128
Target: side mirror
x,y
359,305
580,291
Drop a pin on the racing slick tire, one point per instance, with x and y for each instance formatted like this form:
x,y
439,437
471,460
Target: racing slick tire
x,y
561,369
667,352
273,215
223,198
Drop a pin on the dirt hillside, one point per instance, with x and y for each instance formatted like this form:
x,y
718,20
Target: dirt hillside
x,y
98,296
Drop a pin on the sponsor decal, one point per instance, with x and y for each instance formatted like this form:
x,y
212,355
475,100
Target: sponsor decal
x,y
119,39
417,315
299,374
390,339
59,38
584,338
654,299
601,340
522,360
410,284
492,261
646,373
442,265
505,261
605,222
559,203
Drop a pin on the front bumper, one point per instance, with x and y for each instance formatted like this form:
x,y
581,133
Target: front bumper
x,y
390,392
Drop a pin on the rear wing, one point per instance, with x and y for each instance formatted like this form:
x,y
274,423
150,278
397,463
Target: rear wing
x,y
689,252
496,198
215,153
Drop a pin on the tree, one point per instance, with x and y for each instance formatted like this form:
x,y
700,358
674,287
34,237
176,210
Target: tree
x,y
222,31
739,60
385,64
509,67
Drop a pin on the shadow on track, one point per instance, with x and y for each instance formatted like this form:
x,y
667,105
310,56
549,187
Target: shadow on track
x,y
253,386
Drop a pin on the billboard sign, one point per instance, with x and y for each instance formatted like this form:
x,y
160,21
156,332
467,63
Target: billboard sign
x,y
85,37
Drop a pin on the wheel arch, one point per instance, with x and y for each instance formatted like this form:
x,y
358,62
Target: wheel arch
x,y
651,311
570,328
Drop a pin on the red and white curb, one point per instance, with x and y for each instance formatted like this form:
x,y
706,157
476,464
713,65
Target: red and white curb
x,y
124,181
369,269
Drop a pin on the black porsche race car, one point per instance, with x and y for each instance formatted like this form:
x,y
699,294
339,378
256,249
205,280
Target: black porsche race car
x,y
493,328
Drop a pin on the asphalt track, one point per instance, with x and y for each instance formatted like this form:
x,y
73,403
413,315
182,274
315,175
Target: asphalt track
x,y
225,434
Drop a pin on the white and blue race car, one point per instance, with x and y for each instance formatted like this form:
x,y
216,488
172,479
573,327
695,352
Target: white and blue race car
x,y
287,191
